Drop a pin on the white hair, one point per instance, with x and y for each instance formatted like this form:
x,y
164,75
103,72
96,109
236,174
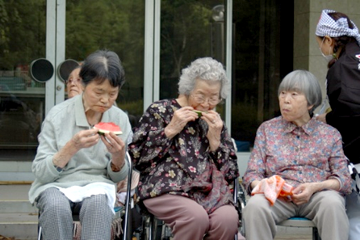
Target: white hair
x,y
207,69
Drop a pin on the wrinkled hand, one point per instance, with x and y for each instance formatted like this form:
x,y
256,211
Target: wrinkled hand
x,y
181,117
215,124
302,193
85,138
115,146
255,183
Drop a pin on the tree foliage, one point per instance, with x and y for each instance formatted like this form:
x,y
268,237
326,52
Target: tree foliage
x,y
185,35
22,32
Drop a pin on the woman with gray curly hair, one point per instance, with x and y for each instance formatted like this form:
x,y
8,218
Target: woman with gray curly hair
x,y
186,157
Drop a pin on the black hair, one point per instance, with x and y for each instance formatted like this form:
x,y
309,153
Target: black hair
x,y
341,41
103,65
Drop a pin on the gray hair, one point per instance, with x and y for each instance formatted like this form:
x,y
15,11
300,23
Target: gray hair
x,y
207,69
304,82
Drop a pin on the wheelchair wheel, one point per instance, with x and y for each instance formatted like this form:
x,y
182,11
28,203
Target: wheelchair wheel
x,y
150,228
240,204
154,229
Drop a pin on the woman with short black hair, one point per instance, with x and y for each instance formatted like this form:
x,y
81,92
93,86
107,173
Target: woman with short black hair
x,y
74,165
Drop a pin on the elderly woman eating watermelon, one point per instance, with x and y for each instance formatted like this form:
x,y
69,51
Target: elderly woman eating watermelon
x,y
75,167
186,157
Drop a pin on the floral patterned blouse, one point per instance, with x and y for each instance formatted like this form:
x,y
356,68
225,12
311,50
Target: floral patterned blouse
x,y
182,165
311,153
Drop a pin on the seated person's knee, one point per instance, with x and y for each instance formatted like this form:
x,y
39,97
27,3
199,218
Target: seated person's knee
x,y
199,217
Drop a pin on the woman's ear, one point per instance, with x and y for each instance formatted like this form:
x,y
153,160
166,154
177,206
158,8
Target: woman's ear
x,y
329,41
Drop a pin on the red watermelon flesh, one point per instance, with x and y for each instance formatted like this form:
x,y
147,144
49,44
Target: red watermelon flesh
x,y
106,127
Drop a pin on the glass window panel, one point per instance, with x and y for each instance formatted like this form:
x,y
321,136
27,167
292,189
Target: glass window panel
x,y
263,55
22,40
188,31
117,26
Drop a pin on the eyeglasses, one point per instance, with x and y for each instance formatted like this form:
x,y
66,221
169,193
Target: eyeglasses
x,y
200,98
75,81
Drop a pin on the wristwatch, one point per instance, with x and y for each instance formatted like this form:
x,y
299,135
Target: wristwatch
x,y
59,169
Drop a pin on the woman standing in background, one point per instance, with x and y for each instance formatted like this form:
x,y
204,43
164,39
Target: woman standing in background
x,y
339,40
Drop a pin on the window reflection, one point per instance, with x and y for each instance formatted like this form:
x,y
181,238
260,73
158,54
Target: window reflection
x,y
21,98
189,31
263,55
113,25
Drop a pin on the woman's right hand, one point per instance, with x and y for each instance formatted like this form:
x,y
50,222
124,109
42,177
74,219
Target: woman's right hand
x,y
82,139
181,117
85,138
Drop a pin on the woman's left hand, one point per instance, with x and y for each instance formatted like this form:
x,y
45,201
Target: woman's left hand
x,y
303,193
116,147
215,124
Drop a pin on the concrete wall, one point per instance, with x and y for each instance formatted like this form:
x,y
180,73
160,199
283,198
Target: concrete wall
x,y
306,15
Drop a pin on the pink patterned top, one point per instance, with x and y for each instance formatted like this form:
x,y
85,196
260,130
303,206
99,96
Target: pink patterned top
x,y
311,153
182,165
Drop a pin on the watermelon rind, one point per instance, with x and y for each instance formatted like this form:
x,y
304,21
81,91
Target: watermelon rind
x,y
198,112
102,132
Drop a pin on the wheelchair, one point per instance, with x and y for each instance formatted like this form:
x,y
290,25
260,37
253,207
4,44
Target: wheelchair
x,y
122,214
155,229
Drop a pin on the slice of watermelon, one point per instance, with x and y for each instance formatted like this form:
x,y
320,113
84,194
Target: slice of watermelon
x,y
106,127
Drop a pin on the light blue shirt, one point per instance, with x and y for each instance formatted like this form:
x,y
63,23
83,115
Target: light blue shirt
x,y
88,165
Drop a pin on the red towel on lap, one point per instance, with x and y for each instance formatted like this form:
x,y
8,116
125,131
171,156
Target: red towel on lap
x,y
272,188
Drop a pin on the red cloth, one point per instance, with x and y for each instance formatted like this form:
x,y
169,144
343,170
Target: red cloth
x,y
272,188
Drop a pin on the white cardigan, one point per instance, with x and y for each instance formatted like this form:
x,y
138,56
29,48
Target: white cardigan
x,y
89,165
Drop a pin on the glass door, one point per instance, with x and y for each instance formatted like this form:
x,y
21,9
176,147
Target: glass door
x,y
40,34
182,32
22,99
117,26
189,30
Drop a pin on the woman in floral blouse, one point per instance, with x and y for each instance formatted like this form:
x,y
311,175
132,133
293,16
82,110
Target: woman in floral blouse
x,y
186,157
308,155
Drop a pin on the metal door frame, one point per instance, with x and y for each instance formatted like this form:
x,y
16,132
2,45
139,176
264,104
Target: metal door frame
x,y
55,50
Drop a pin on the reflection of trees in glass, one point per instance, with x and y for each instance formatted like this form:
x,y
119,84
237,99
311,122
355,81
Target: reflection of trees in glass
x,y
246,62
185,36
22,32
262,56
112,25
22,39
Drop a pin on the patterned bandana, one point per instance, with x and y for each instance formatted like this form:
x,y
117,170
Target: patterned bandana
x,y
329,27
